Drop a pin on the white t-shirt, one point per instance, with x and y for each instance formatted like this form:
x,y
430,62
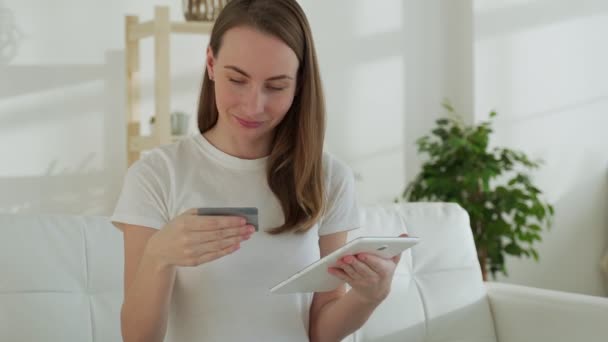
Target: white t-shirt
x,y
228,299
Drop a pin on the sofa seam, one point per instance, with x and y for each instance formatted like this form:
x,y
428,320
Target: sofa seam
x,y
87,290
424,306
413,273
492,311
86,255
403,220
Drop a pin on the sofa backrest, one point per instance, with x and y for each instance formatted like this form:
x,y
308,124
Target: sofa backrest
x,y
61,278
437,292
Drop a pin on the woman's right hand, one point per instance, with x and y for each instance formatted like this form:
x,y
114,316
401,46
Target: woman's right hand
x,y
192,240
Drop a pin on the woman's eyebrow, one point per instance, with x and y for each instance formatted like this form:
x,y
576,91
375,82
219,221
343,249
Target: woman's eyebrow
x,y
273,78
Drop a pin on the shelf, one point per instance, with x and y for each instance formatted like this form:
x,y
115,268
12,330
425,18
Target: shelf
x,y
146,29
192,28
145,142
160,29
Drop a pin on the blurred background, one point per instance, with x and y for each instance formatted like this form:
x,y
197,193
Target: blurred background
x,y
386,67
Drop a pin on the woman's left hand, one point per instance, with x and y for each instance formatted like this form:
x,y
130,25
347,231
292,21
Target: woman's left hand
x,y
370,276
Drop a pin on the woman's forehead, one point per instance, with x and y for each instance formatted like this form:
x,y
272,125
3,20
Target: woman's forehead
x,y
257,53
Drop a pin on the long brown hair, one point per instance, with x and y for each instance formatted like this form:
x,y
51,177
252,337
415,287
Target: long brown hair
x,y
295,170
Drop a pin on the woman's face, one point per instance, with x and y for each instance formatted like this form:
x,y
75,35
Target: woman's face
x,y
255,82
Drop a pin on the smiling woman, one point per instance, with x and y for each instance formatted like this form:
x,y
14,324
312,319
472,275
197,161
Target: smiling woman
x,y
261,119
255,65
254,77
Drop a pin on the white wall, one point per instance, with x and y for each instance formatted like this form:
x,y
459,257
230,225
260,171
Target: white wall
x,y
439,65
62,103
542,65
362,56
62,97
386,66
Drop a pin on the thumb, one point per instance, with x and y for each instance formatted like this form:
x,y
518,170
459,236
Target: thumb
x,y
397,257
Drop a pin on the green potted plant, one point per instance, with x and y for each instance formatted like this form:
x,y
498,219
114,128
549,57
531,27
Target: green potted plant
x,y
493,185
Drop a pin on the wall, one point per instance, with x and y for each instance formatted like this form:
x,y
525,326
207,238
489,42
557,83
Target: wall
x,y
362,59
439,66
60,108
542,65
386,67
62,98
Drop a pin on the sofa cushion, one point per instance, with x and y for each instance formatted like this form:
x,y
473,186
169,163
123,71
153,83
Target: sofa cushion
x,y
437,292
61,278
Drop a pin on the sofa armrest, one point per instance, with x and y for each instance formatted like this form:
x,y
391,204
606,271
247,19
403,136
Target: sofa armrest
x,y
530,314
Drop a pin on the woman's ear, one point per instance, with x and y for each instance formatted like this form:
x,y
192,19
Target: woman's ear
x,y
210,64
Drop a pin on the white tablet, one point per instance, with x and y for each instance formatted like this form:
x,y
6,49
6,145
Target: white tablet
x,y
315,278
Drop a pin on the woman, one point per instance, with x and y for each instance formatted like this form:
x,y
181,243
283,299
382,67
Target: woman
x,y
262,121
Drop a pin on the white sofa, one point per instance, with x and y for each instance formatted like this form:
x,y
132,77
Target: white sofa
x,y
61,280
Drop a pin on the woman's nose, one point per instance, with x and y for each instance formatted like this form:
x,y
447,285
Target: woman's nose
x,y
254,102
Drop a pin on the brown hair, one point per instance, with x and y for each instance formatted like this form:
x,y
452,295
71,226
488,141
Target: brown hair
x,y
295,170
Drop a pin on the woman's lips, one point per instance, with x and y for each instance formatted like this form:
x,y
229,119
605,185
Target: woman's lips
x,y
248,124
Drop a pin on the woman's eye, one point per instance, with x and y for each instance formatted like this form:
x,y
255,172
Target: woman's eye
x,y
236,81
276,88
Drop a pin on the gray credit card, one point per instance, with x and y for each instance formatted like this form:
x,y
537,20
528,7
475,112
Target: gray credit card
x,y
250,214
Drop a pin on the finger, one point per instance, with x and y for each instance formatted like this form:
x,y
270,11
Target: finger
x,y
348,268
397,257
191,211
198,237
212,246
338,272
214,222
376,263
223,243
362,268
207,257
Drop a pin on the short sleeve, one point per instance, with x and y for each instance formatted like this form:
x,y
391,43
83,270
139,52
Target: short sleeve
x,y
143,199
341,212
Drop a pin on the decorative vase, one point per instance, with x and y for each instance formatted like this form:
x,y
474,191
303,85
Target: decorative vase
x,y
202,10
180,123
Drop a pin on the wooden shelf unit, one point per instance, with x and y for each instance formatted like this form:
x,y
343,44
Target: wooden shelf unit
x,y
160,29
